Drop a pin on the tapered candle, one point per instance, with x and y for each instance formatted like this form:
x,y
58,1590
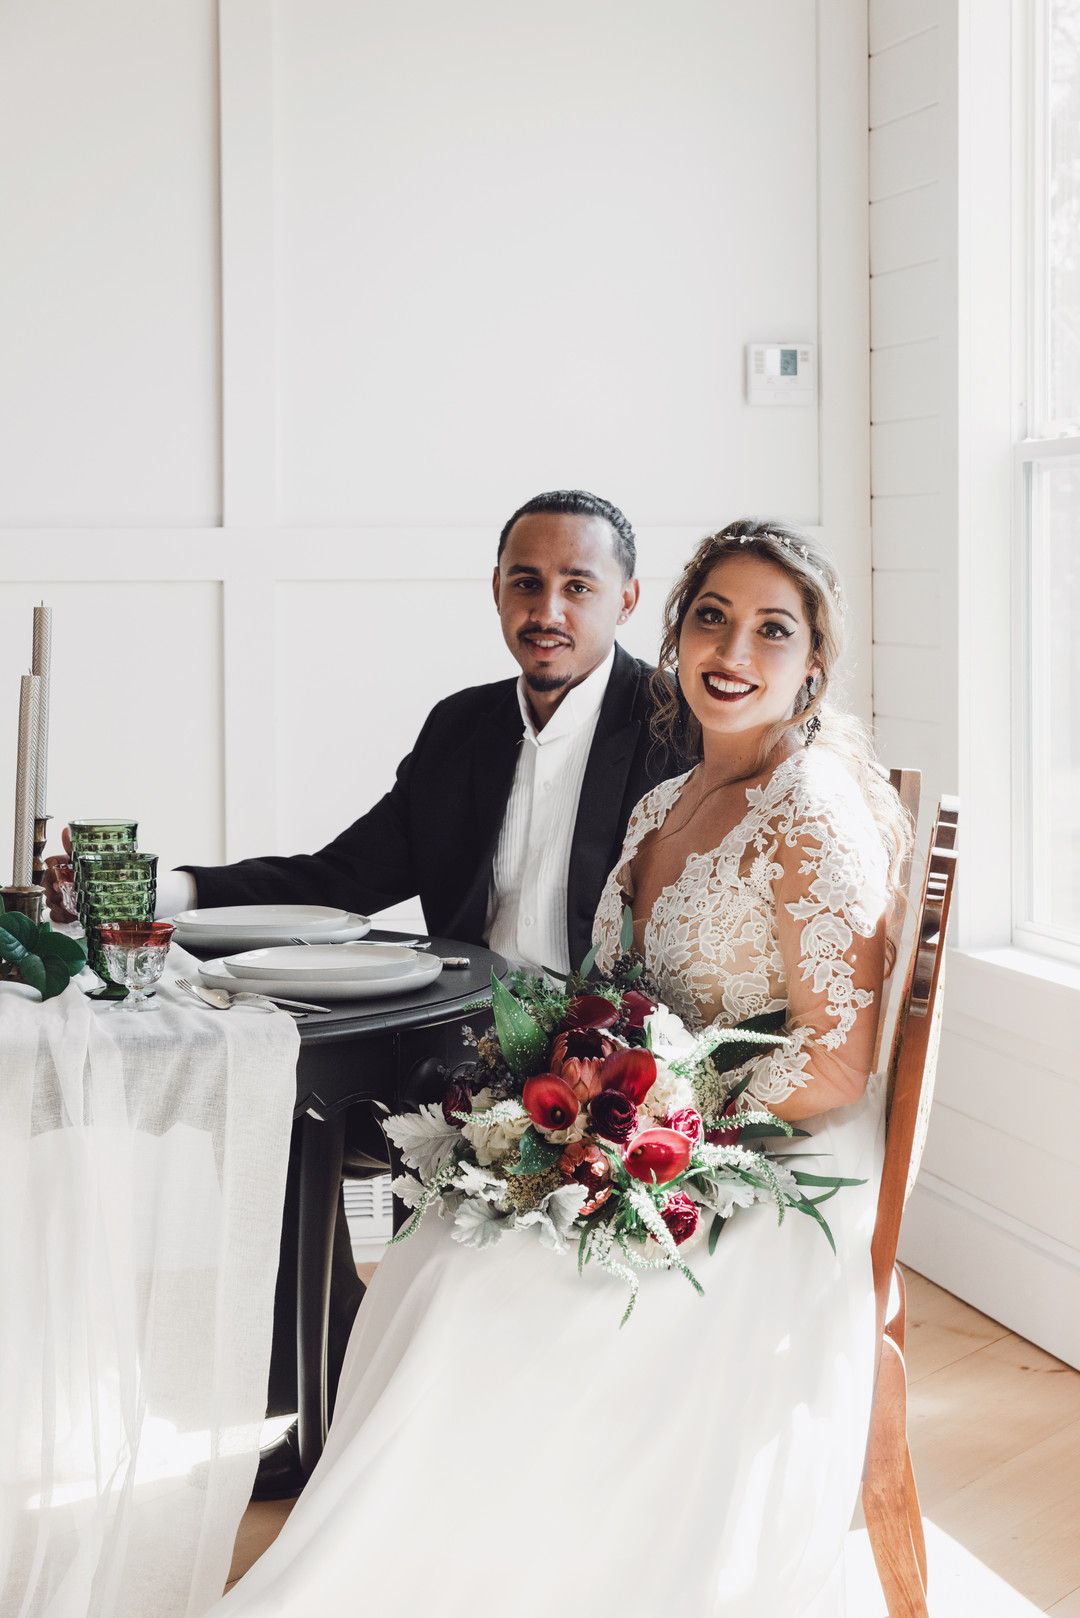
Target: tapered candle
x,y
23,870
40,667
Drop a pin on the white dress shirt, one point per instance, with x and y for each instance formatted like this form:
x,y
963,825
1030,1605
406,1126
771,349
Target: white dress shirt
x,y
526,918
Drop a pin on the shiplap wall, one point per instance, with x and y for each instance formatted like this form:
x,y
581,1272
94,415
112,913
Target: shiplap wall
x,y
995,1214
302,299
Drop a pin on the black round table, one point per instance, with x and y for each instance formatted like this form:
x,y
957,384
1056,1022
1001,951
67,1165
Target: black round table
x,y
358,1052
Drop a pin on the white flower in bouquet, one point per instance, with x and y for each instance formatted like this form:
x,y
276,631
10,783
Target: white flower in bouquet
x,y
670,1092
493,1128
567,1137
669,1034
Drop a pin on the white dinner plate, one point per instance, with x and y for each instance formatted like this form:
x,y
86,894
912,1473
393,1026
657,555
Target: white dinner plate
x,y
216,975
272,918
324,960
239,938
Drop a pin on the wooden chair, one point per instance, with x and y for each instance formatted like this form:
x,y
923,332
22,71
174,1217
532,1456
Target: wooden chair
x,y
890,1498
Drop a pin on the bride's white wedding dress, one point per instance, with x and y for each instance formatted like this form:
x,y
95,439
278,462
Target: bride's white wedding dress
x,y
500,1447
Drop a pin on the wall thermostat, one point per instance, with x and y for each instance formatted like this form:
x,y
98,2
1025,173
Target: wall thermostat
x,y
781,373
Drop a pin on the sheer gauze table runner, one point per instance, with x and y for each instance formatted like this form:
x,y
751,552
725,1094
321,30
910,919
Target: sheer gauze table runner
x,y
142,1174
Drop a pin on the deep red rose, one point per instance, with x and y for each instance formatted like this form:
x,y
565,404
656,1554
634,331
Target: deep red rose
x,y
614,1116
680,1215
632,1072
577,1056
725,1137
586,1165
688,1121
636,1007
591,1011
456,1098
657,1155
549,1102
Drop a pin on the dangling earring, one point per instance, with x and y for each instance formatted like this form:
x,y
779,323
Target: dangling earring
x,y
813,724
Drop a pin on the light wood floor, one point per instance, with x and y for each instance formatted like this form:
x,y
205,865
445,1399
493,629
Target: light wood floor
x,y
995,1435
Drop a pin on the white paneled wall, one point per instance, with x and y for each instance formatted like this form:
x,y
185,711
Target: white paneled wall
x,y
302,300
911,326
993,1216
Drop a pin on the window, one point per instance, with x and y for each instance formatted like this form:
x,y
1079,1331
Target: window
x,y
1048,900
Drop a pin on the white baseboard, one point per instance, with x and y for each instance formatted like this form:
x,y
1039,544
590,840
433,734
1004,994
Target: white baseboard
x,y
1027,1281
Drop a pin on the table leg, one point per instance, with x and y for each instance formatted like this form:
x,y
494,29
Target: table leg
x,y
320,1185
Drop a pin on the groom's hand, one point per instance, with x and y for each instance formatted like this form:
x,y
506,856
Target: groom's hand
x,y
49,881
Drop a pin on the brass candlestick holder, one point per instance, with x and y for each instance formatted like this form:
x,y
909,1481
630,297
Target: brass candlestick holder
x,y
29,902
41,833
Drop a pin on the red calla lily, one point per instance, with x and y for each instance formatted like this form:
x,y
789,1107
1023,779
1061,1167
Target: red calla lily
x,y
632,1072
636,1007
657,1155
591,1011
549,1102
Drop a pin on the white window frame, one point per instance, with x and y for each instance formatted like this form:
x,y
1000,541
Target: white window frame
x,y
1045,443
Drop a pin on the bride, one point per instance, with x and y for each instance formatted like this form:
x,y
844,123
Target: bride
x,y
499,1446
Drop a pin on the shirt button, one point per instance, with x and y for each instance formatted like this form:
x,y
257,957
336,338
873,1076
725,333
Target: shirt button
x,y
547,786
526,921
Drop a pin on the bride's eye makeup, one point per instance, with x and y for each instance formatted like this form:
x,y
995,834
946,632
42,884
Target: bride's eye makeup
x,y
775,631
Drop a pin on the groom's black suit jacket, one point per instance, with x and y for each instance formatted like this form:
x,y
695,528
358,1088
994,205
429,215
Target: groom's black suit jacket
x,y
434,833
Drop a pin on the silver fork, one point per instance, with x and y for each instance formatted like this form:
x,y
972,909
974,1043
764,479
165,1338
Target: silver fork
x,y
401,943
222,999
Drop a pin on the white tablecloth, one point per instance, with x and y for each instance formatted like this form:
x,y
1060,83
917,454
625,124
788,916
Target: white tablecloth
x,y
142,1173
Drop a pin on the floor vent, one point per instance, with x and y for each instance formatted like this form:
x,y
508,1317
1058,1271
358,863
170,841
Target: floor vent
x,y
369,1211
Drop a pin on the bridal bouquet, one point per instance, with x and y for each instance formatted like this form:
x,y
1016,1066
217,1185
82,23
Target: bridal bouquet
x,y
570,1125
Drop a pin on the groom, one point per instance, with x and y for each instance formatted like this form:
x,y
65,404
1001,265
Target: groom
x,y
509,812
505,818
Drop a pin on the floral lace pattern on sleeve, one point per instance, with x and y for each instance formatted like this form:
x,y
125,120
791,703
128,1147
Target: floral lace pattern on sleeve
x,y
770,919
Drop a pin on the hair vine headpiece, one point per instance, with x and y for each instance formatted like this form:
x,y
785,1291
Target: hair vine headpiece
x,y
791,545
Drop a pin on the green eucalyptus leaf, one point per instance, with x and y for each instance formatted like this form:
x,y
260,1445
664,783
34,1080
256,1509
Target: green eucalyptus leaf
x,y
714,1232
626,932
58,947
524,1043
19,926
589,962
32,970
733,1053
57,977
537,1154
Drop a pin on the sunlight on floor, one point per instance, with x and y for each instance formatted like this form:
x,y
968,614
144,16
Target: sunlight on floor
x,y
959,1584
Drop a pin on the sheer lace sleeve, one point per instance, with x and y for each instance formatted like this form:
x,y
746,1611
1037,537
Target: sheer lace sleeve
x,y
828,879
649,812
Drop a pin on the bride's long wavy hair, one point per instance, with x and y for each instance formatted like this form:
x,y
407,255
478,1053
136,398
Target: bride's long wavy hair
x,y
805,561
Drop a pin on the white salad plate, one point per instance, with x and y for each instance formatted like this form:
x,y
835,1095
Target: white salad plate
x,y
242,935
216,975
302,962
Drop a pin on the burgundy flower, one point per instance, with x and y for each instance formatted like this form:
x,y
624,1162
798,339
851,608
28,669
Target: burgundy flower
x,y
591,1011
657,1155
688,1121
636,1007
632,1072
614,1116
456,1098
680,1215
549,1102
586,1165
725,1137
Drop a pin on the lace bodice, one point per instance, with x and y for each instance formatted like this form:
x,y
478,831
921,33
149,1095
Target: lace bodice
x,y
770,920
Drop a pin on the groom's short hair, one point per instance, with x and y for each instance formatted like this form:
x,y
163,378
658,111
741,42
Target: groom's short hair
x,y
580,503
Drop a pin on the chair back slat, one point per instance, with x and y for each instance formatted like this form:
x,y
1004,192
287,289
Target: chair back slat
x,y
907,784
913,1060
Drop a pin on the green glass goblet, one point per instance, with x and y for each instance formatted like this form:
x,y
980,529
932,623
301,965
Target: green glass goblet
x,y
113,887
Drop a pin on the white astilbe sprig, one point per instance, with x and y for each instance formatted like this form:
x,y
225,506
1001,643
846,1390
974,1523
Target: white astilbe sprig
x,y
425,1140
650,1216
428,1194
711,1038
500,1112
